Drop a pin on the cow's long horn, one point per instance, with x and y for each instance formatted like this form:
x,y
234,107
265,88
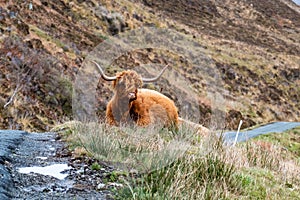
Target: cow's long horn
x,y
149,80
105,77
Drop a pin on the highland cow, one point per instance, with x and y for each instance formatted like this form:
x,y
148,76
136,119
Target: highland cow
x,y
132,104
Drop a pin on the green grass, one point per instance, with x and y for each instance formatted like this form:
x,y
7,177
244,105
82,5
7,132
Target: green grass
x,y
204,177
289,140
266,184
96,166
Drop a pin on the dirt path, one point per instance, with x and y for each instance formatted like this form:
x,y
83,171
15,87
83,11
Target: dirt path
x,y
9,140
22,150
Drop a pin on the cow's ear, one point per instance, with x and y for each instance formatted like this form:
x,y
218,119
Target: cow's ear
x,y
138,84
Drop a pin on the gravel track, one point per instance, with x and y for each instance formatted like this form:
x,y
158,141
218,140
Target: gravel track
x,y
20,149
9,141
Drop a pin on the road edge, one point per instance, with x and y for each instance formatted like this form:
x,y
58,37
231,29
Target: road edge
x,y
10,140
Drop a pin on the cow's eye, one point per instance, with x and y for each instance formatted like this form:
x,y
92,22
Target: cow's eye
x,y
121,83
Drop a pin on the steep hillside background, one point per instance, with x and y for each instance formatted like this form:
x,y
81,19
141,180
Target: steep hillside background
x,y
254,44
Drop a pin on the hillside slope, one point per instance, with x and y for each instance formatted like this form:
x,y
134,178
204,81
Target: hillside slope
x,y
254,44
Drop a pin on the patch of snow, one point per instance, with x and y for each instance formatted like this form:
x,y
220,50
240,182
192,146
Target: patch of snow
x,y
52,170
42,158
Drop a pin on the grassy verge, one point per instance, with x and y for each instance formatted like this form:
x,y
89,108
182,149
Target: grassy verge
x,y
161,164
290,141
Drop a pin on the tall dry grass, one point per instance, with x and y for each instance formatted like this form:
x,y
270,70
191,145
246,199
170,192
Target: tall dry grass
x,y
162,164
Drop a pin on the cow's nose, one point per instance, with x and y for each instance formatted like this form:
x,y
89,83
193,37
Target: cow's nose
x,y
131,96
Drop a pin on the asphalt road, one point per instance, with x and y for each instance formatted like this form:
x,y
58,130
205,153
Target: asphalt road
x,y
276,127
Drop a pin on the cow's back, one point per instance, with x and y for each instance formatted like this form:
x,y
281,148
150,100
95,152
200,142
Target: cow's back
x,y
152,107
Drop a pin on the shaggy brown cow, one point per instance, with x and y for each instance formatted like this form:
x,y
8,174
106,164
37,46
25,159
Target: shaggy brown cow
x,y
133,104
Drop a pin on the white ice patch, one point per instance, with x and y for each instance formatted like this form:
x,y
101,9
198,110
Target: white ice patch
x,y
42,158
52,170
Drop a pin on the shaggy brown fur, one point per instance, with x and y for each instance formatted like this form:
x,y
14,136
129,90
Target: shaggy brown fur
x,y
132,104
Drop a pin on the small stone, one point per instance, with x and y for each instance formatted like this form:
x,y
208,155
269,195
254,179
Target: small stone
x,y
116,185
102,170
100,186
133,171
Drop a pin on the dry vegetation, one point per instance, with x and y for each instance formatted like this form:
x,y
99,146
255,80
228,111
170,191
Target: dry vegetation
x,y
261,85
159,164
254,44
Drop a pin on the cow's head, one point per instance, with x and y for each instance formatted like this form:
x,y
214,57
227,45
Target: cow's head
x,y
127,83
